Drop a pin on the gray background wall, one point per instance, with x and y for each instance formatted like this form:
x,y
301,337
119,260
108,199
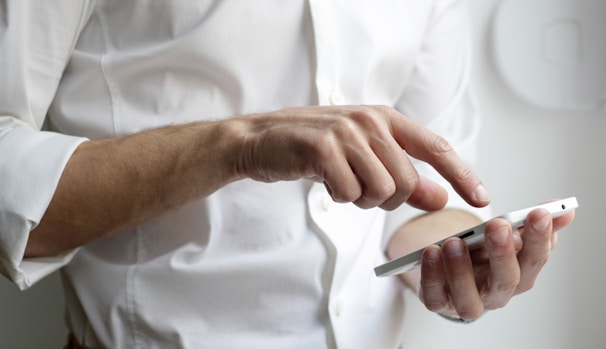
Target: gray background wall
x,y
530,155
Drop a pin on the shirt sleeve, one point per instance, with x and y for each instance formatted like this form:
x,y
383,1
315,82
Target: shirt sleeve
x,y
440,97
36,41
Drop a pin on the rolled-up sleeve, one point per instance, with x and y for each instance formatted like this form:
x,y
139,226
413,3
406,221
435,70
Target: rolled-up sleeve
x,y
36,41
440,97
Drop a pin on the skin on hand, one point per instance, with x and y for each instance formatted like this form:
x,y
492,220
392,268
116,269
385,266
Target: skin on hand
x,y
357,152
454,282
360,153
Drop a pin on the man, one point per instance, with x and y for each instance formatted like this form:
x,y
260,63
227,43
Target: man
x,y
218,173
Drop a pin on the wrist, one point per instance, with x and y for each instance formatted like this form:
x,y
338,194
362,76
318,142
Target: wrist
x,y
235,137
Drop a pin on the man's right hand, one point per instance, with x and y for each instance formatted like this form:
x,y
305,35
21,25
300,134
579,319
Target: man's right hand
x,y
361,154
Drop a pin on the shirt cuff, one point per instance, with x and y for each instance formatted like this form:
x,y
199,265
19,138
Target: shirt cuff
x,y
31,270
31,165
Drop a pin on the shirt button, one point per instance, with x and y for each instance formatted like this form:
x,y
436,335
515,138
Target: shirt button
x,y
339,308
336,98
325,202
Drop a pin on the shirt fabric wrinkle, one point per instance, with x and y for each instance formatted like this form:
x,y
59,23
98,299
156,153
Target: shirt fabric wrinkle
x,y
254,264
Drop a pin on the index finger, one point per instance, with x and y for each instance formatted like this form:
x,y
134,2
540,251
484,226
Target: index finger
x,y
425,145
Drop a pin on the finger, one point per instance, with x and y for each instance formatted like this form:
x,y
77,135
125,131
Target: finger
x,y
417,191
464,295
432,287
479,255
340,181
537,247
397,163
401,170
387,176
428,196
377,183
365,143
375,166
563,221
435,150
559,223
504,269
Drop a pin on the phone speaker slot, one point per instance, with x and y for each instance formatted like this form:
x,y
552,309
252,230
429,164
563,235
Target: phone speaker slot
x,y
467,234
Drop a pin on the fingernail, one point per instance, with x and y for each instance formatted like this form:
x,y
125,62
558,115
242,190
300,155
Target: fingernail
x,y
500,236
542,224
453,248
481,194
432,254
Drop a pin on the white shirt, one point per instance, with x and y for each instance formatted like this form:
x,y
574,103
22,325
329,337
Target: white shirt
x,y
254,265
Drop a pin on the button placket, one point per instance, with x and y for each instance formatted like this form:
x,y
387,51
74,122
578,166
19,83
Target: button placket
x,y
336,97
327,54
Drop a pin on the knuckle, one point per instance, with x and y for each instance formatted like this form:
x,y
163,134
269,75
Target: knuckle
x,y
464,175
347,196
538,263
374,110
430,285
502,256
363,203
325,148
345,128
527,286
393,202
497,304
436,305
383,192
408,182
471,312
501,292
433,297
386,112
438,144
458,278
371,117
344,188
383,109
507,287
376,195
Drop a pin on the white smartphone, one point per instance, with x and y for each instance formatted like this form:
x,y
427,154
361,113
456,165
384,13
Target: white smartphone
x,y
474,237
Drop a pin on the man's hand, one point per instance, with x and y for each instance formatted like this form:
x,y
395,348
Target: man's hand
x,y
456,283
360,153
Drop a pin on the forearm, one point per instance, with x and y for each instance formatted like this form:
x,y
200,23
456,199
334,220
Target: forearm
x,y
114,184
425,230
117,183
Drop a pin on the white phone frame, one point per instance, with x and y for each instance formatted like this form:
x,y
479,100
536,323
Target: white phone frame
x,y
474,236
